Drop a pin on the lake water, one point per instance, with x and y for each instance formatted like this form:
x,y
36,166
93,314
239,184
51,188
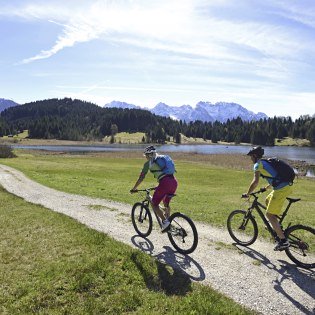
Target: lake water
x,y
306,154
292,153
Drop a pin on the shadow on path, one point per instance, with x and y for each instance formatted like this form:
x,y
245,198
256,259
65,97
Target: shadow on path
x,y
175,271
303,278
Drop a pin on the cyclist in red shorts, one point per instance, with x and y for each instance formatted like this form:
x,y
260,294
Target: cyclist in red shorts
x,y
167,183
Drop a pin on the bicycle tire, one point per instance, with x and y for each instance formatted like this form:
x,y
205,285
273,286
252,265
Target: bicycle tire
x,y
182,227
302,245
141,219
244,231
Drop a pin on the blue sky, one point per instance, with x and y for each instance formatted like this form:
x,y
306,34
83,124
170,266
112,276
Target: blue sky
x,y
260,54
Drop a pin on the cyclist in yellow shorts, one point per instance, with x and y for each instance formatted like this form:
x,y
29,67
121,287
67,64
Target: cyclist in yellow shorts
x,y
276,198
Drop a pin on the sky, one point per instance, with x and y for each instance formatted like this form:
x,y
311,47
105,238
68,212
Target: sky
x,y
259,54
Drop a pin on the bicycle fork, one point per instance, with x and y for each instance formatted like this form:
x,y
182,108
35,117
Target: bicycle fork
x,y
245,220
142,217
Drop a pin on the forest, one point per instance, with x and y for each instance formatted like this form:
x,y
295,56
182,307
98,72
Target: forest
x,y
72,119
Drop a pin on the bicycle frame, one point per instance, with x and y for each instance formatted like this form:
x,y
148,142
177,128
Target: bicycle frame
x,y
257,205
180,228
147,202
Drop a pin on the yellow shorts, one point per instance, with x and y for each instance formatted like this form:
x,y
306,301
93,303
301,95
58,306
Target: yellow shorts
x,y
276,199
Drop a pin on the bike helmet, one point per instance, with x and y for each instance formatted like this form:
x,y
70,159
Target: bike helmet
x,y
149,150
258,151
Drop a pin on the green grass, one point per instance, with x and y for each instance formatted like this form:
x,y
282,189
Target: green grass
x,y
287,141
19,136
51,264
125,137
207,191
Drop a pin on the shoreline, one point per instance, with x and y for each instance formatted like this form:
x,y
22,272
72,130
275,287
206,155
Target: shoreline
x,y
301,165
226,160
16,140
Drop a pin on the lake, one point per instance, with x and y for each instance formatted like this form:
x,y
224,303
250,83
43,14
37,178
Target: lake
x,y
306,154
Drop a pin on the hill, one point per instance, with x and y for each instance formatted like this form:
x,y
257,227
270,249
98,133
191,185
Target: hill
x,y
68,119
4,104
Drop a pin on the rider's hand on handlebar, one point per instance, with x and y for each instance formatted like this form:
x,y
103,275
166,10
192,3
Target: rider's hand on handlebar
x,y
132,191
263,189
245,195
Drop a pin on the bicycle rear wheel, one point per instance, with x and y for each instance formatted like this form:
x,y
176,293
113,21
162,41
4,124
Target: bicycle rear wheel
x,y
302,245
182,233
242,228
141,219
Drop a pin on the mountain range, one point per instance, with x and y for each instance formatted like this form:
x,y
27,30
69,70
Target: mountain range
x,y
4,104
204,111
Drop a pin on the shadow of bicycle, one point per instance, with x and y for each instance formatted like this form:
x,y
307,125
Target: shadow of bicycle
x,y
175,271
303,278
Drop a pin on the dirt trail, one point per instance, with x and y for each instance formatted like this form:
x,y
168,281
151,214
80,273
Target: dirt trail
x,y
257,277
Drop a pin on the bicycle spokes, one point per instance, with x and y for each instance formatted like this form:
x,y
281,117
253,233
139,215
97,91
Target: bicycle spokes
x,y
242,227
299,244
302,245
183,234
143,215
178,231
141,219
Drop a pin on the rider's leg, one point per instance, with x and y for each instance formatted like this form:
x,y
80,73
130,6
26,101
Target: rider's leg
x,y
275,224
165,222
167,186
275,201
167,210
156,199
158,211
171,189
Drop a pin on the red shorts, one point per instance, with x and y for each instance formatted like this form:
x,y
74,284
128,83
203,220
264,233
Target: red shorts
x,y
167,186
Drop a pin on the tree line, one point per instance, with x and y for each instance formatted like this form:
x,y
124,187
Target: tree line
x,y
68,119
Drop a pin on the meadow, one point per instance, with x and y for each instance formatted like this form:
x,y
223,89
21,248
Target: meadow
x,y
209,188
51,264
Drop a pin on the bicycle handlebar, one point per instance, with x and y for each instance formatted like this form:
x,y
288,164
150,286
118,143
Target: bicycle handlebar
x,y
254,193
145,190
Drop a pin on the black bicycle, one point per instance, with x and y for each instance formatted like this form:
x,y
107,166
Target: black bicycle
x,y
243,229
182,232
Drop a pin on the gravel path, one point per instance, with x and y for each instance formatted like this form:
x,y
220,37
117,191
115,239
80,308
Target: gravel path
x,y
257,277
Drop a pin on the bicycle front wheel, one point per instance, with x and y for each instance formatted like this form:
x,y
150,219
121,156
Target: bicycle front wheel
x,y
302,245
242,227
182,233
141,219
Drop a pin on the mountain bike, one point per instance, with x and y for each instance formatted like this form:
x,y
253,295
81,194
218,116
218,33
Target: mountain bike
x,y
182,232
243,229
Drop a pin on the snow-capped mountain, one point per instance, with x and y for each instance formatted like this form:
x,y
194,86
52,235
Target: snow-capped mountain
x,y
4,104
204,111
118,104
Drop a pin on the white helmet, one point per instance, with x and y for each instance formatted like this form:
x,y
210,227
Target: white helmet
x,y
149,150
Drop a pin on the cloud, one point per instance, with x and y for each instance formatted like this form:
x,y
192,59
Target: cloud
x,y
191,34
302,11
71,35
181,27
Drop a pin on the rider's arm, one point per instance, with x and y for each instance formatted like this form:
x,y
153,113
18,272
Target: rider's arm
x,y
138,182
254,183
142,175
